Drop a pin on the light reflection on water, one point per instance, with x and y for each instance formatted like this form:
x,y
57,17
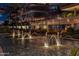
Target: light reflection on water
x,y
35,49
52,50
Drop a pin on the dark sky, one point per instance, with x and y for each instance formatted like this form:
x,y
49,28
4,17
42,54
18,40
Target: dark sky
x,y
5,6
4,15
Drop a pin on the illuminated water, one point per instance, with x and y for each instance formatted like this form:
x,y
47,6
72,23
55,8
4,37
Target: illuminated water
x,y
36,47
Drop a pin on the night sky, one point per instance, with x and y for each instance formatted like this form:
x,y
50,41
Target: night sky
x,y
4,16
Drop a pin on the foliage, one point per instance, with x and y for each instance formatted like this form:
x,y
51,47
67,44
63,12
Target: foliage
x,y
71,31
74,52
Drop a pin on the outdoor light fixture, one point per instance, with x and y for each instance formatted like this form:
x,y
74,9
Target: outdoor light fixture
x,y
24,27
19,27
27,27
45,27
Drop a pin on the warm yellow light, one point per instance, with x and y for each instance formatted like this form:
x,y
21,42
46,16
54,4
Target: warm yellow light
x,y
76,7
46,45
22,38
30,37
24,27
27,27
19,27
13,35
68,20
45,27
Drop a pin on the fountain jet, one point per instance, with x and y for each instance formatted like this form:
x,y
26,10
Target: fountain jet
x,y
13,34
22,40
24,37
58,39
46,45
19,34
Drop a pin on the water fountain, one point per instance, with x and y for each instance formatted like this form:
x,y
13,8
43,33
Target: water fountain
x,y
30,37
13,34
18,34
58,42
56,38
24,37
46,45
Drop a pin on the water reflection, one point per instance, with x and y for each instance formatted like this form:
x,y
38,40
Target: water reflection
x,y
46,49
